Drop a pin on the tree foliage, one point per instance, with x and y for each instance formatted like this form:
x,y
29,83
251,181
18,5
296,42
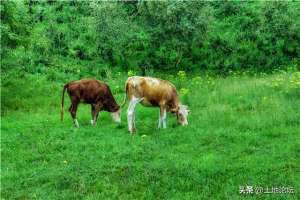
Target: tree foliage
x,y
160,35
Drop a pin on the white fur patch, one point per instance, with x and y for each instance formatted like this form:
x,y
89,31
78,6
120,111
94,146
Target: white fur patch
x,y
183,112
116,116
135,81
76,123
162,123
152,81
130,112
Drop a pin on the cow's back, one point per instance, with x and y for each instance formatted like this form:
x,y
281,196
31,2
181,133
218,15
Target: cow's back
x,y
87,90
154,91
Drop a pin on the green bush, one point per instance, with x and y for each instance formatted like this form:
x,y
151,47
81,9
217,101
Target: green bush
x,y
146,36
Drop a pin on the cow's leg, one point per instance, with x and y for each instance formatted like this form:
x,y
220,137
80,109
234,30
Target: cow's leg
x,y
96,109
73,110
162,117
93,122
131,113
159,119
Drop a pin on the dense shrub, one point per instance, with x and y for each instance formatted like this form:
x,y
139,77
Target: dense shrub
x,y
142,36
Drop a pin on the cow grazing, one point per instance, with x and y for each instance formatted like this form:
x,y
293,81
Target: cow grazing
x,y
92,92
153,92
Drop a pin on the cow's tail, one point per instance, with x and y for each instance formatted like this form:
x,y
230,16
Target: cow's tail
x,y
62,103
126,92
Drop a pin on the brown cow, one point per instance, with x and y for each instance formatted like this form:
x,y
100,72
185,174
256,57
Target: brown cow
x,y
153,92
92,92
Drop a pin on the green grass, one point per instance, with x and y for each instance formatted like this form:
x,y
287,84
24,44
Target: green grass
x,y
242,131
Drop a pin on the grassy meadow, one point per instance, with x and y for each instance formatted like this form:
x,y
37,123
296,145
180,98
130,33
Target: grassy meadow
x,y
243,130
234,63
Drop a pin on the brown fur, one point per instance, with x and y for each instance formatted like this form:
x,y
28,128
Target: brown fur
x,y
159,93
92,92
153,92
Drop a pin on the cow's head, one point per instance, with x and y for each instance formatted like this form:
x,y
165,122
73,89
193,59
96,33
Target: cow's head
x,y
182,114
116,116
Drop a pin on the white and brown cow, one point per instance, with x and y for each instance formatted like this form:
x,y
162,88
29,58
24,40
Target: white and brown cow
x,y
153,92
93,92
